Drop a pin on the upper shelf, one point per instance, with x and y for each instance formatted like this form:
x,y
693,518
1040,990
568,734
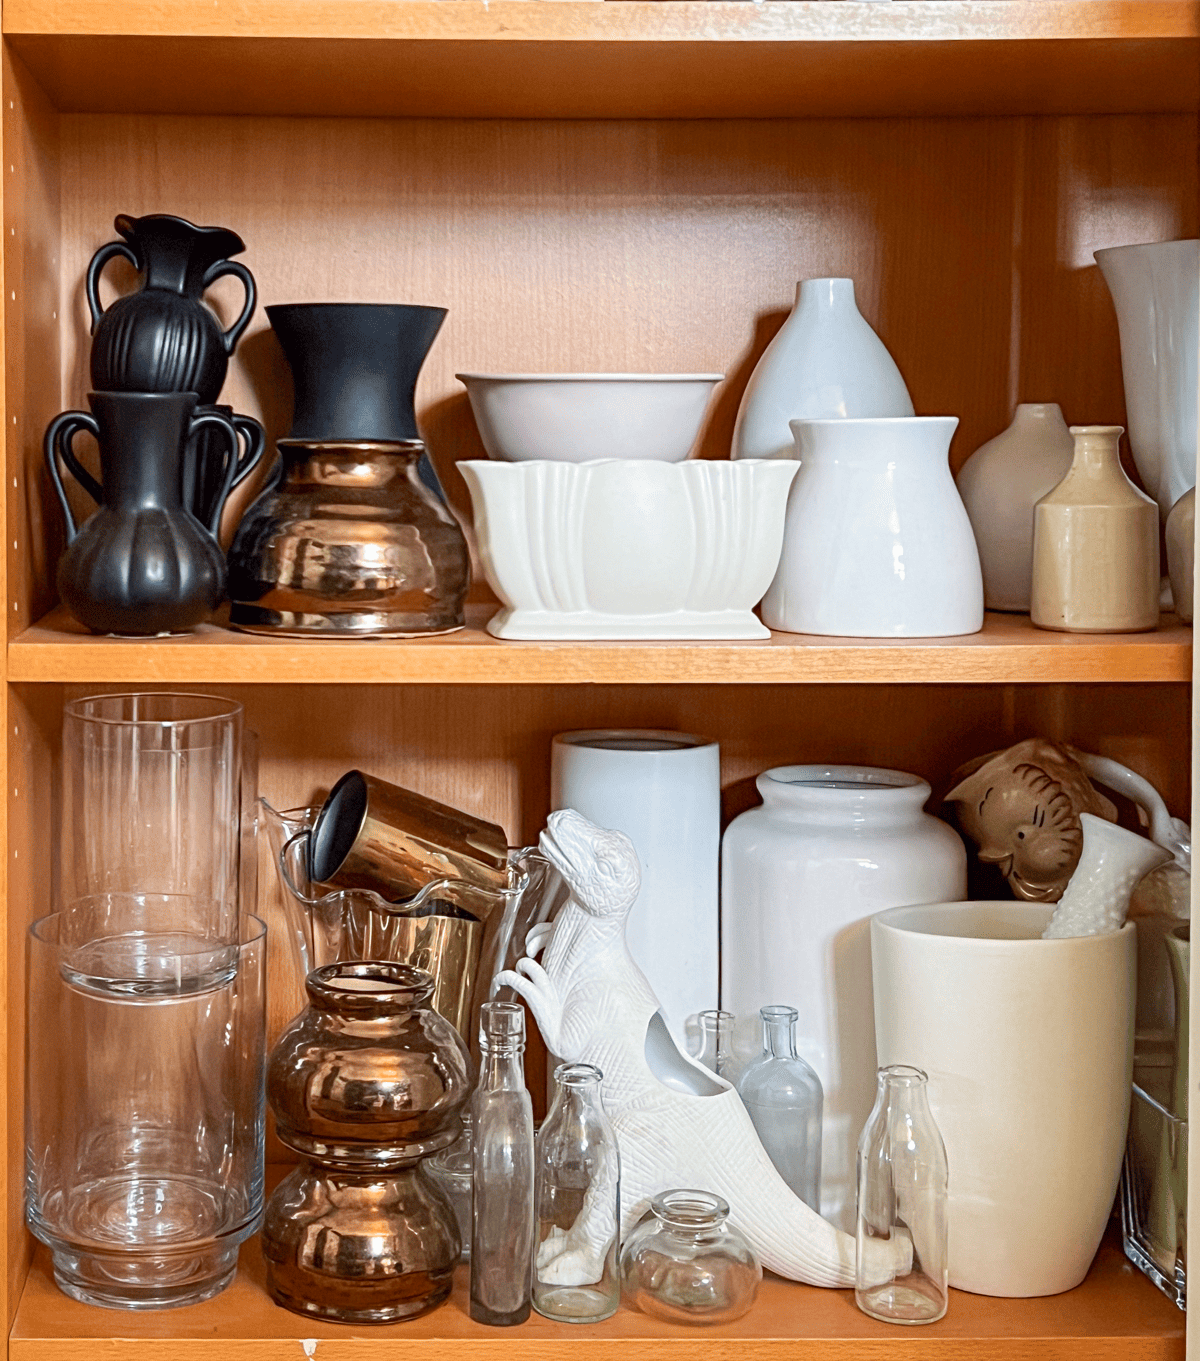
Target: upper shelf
x,y
614,59
1008,651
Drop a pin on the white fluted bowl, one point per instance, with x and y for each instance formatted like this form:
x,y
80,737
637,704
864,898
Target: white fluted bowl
x,y
624,549
578,417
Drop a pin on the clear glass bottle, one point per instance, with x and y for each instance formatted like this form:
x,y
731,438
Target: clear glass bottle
x,y
451,1169
501,1171
577,1195
716,1041
684,1264
784,1098
902,1178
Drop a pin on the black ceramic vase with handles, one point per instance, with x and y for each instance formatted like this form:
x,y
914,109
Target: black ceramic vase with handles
x,y
205,461
142,564
164,337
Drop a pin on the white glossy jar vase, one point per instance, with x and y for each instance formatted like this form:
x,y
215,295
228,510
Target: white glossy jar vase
x,y
877,543
800,878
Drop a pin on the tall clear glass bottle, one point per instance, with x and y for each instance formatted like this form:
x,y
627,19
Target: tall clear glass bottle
x,y
501,1171
902,1180
716,1041
578,1202
784,1098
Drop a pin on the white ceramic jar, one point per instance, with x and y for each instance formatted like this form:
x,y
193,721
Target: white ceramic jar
x,y
800,878
877,543
1028,1044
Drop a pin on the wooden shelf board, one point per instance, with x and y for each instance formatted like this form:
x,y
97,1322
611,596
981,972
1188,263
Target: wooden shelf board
x,y
1008,651
614,59
1115,1315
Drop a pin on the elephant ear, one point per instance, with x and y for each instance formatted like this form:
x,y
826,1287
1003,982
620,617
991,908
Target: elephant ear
x,y
965,784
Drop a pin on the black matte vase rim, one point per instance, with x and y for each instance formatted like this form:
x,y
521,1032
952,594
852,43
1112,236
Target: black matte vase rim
x,y
227,242
281,308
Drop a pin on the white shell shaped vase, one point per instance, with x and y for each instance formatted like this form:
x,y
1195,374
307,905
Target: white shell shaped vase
x,y
622,549
878,543
1156,289
1028,1044
825,362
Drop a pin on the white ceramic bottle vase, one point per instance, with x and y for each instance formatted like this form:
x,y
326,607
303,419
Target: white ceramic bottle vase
x,y
801,876
663,790
1095,545
1156,290
825,361
1000,484
877,543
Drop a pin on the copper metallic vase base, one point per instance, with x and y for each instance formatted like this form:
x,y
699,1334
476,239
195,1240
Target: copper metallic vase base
x,y
286,624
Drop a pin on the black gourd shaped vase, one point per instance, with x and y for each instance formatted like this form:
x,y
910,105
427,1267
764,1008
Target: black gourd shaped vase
x,y
142,564
164,337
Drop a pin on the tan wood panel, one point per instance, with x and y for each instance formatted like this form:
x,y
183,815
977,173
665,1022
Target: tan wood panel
x,y
1008,649
624,60
1116,1315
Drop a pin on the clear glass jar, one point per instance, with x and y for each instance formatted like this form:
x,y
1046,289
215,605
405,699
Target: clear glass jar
x,y
783,1096
501,1171
451,1169
716,1041
577,1194
902,1181
684,1264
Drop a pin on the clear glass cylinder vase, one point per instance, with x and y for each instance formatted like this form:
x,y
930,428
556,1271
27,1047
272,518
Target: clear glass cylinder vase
x,y
577,1197
902,1188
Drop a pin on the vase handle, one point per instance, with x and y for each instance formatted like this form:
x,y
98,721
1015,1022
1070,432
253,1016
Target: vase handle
x,y
255,440
91,283
214,420
57,444
239,271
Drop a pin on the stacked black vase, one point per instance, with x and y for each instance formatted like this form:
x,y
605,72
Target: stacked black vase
x,y
148,560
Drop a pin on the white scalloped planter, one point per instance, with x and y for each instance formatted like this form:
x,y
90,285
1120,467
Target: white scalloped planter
x,y
620,549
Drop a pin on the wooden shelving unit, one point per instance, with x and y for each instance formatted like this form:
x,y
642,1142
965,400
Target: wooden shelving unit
x,y
607,186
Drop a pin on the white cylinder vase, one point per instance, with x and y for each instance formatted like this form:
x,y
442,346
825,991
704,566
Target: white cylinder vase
x,y
1028,1044
801,877
663,790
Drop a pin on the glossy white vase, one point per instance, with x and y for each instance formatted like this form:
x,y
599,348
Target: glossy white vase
x,y
627,549
877,542
825,361
1156,289
1028,1044
800,877
1000,484
663,790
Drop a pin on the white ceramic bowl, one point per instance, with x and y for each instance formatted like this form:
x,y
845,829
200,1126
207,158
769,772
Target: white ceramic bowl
x,y
577,417
620,549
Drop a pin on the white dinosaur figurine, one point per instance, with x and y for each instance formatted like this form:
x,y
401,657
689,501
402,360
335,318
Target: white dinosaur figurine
x,y
677,1124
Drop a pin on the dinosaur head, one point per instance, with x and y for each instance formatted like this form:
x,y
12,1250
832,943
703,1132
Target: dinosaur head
x,y
600,867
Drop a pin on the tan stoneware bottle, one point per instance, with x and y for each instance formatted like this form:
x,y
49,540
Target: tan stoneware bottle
x,y
1095,545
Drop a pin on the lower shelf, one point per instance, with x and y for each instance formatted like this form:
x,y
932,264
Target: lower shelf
x,y
1115,1315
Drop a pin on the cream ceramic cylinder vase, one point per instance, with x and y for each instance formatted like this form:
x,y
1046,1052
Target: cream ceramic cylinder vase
x,y
825,361
1156,290
1028,1044
800,877
663,790
1095,545
1000,484
877,543
1181,553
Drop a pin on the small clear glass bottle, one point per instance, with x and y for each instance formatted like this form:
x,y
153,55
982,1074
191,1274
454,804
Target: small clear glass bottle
x,y
451,1169
577,1196
716,1041
684,1264
902,1181
502,1232
783,1095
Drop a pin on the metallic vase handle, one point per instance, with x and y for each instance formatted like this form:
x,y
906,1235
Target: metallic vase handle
x,y
214,420
91,283
239,271
57,444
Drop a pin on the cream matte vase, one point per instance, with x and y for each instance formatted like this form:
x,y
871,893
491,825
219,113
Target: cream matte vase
x,y
1095,545
877,543
1028,1044
800,877
1000,484
1156,289
1181,553
825,361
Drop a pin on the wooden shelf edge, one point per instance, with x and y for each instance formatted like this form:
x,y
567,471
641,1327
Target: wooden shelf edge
x,y
1008,651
